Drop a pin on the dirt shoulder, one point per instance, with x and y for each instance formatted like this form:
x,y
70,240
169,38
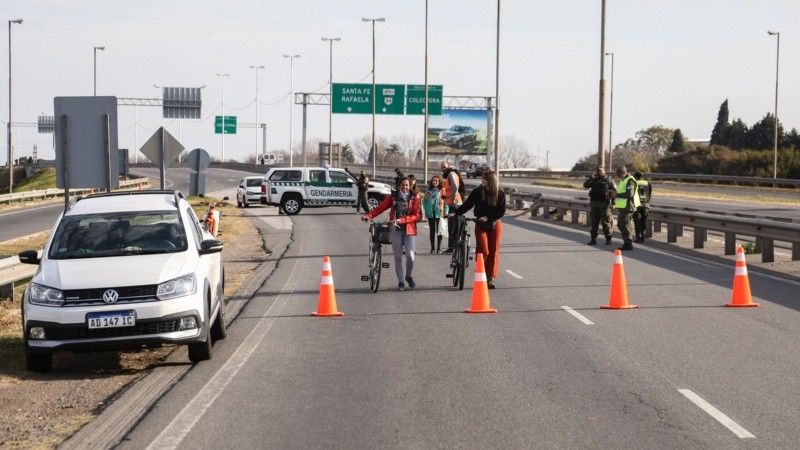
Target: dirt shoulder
x,y
42,410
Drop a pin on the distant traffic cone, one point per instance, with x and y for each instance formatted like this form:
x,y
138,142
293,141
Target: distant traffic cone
x,y
480,289
619,289
741,283
327,295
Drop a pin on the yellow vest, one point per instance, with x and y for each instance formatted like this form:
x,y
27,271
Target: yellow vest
x,y
622,203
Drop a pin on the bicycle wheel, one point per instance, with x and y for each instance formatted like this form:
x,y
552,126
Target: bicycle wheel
x,y
463,253
455,261
375,269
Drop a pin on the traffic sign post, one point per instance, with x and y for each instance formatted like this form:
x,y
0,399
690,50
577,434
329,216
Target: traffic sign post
x,y
416,99
230,125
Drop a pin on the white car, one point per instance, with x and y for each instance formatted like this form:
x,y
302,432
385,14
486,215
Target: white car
x,y
248,191
124,270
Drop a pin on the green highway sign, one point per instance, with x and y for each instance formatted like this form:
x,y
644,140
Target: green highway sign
x,y
416,99
230,125
357,98
351,98
390,98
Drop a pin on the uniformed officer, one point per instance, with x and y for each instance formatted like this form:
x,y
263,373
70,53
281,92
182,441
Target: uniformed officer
x,y
640,217
626,200
601,188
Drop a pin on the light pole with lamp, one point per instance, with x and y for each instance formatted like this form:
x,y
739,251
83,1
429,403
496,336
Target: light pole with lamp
x,y
256,68
10,148
95,68
497,98
291,105
330,110
373,151
775,144
222,103
611,116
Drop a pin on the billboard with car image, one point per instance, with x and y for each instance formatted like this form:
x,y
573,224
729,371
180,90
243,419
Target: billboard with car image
x,y
458,132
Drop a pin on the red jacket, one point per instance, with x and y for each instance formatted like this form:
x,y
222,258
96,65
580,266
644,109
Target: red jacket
x,y
410,220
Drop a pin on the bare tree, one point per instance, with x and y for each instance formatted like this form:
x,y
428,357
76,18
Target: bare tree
x,y
514,153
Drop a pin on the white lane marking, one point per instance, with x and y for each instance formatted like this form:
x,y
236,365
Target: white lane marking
x,y
577,315
172,436
716,414
513,274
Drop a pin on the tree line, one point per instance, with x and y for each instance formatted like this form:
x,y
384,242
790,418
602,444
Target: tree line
x,y
734,149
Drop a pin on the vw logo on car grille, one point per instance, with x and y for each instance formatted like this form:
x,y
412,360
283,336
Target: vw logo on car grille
x,y
110,296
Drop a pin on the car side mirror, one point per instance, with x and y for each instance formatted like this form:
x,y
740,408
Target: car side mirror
x,y
210,246
29,257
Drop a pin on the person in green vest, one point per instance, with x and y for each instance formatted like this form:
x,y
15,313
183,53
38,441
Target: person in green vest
x,y
626,200
640,216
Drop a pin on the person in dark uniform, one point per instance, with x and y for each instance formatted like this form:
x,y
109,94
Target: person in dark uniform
x,y
363,185
640,216
601,189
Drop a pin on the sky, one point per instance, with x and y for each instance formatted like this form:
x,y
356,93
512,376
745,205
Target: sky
x,y
675,62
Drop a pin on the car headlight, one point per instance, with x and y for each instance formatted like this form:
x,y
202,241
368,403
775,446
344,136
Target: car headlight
x,y
43,295
179,287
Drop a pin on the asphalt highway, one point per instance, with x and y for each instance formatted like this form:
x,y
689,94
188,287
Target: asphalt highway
x,y
549,370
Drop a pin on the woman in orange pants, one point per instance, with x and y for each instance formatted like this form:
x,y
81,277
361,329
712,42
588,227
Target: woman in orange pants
x,y
489,202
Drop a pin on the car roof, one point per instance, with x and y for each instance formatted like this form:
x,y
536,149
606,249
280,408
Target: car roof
x,y
134,202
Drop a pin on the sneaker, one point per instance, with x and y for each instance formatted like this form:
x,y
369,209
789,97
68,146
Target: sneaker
x,y
490,282
592,242
411,284
448,251
608,240
438,250
433,251
401,287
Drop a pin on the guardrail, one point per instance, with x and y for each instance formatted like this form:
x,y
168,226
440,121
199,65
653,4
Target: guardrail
x,y
765,231
52,193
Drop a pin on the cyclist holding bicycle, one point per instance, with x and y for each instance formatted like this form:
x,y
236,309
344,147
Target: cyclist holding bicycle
x,y
405,212
489,202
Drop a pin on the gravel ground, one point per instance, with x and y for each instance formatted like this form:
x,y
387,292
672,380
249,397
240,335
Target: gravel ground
x,y
42,410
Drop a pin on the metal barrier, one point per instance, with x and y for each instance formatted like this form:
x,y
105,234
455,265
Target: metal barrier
x,y
764,230
52,193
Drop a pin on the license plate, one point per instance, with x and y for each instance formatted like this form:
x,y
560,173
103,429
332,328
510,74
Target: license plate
x,y
111,320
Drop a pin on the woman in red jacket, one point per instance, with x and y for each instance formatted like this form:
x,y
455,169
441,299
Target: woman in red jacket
x,y
405,214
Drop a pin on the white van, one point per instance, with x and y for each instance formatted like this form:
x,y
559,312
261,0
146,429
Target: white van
x,y
270,159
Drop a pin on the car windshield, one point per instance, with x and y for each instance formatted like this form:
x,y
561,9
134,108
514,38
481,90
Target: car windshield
x,y
457,128
116,234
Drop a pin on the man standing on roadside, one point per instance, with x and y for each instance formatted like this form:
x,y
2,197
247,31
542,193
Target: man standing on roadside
x,y
626,200
601,188
363,184
640,216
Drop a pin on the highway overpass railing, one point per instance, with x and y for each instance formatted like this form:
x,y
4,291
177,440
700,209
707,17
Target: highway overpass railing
x,y
764,230
52,193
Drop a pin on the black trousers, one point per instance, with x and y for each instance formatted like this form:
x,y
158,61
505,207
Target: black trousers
x,y
433,224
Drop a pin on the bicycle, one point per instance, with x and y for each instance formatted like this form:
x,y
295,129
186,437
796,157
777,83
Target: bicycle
x,y
380,233
459,262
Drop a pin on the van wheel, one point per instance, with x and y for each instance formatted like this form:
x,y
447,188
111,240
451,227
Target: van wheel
x,y
373,200
218,330
291,204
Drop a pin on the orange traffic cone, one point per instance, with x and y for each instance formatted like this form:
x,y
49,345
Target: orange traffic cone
x,y
480,289
619,289
741,283
327,295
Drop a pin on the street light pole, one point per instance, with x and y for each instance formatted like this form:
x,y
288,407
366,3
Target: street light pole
x,y
257,129
497,97
330,110
373,151
222,102
425,131
95,68
10,148
291,104
611,116
601,155
775,144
